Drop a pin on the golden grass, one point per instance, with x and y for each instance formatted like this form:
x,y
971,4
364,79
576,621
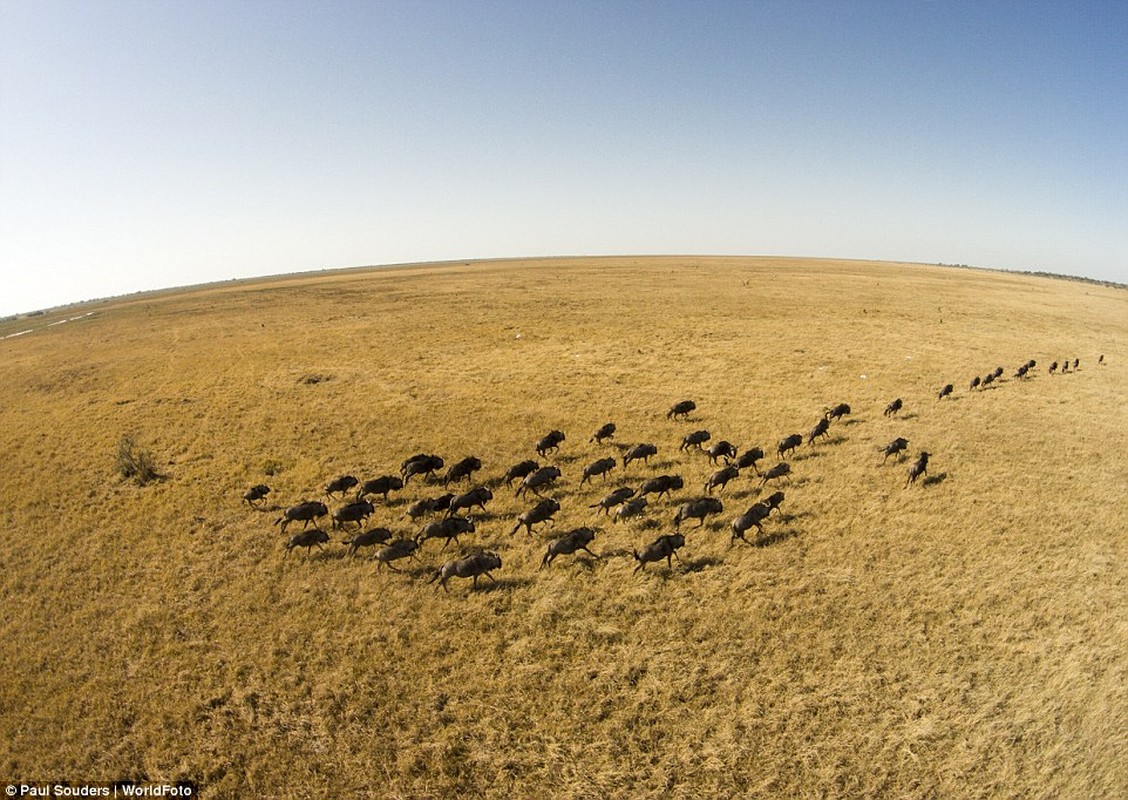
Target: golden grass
x,y
965,638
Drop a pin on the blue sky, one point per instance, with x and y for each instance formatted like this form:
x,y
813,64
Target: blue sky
x,y
147,144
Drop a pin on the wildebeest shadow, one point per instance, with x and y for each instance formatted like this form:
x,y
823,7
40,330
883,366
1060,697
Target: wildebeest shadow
x,y
932,480
851,421
909,415
506,584
797,515
775,537
806,454
698,564
834,441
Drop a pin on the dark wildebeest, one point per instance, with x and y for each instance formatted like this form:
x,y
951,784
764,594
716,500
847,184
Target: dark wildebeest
x,y
400,548
722,449
893,407
599,467
840,410
1101,359
753,517
697,509
550,441
1065,366
367,539
255,494
544,476
307,539
998,373
340,485
773,501
421,464
462,470
305,512
356,512
918,468
695,439
1076,363
661,485
662,547
789,443
721,477
821,429
606,431
974,383
749,458
521,470
988,379
946,391
609,501
569,543
1053,368
382,485
541,512
643,451
780,470
894,448
681,409
631,508
1031,364
1021,371
447,528
422,508
478,496
470,567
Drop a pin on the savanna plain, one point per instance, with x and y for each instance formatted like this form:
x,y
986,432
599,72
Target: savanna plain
x,y
966,636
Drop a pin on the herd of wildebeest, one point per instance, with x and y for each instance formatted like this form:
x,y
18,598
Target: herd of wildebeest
x,y
446,516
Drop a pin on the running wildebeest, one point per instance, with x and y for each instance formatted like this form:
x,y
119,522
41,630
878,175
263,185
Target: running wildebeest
x,y
470,567
1021,371
609,501
340,485
780,470
1101,359
550,441
988,379
974,383
998,373
521,470
600,467
1053,368
894,448
893,407
753,517
694,439
918,468
643,451
422,508
307,539
661,485
544,476
255,494
947,390
1076,363
1065,366
447,528
367,539
356,512
722,449
773,501
681,409
606,431
721,477
662,547
478,496
382,485
840,410
462,470
400,548
749,458
821,429
631,508
304,512
421,464
541,512
569,543
697,509
789,443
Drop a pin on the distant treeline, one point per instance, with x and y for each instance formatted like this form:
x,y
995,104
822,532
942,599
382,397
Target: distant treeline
x,y
1041,274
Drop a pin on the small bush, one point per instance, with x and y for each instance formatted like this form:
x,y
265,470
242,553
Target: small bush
x,y
136,464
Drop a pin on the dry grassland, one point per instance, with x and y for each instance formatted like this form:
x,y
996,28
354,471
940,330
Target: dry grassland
x,y
963,638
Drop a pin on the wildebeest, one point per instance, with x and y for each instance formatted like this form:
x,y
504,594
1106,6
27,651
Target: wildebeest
x,y
520,470
599,467
1101,359
643,451
695,439
988,379
400,548
894,407
550,441
1065,366
382,485
780,470
947,390
538,480
1053,367
789,443
840,410
918,468
1076,363
974,383
304,512
340,485
998,373
697,509
470,567
606,431
255,494
821,429
541,512
721,477
421,464
753,517
569,543
609,501
894,448
307,539
661,485
447,528
749,458
721,449
353,512
630,508
663,547
1031,364
434,505
477,496
462,470
773,501
1021,371
367,539
681,409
